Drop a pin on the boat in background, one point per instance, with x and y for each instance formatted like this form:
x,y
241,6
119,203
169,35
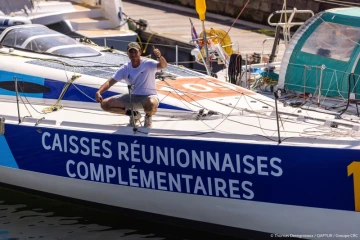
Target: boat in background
x,y
101,22
219,157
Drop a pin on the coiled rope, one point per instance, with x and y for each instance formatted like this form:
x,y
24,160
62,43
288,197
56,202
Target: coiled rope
x,y
234,68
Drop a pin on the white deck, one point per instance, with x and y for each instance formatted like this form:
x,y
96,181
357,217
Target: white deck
x,y
307,128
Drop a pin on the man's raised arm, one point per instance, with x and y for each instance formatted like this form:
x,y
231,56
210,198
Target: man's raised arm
x,y
162,61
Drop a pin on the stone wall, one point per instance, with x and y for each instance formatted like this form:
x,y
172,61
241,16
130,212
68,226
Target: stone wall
x,y
259,10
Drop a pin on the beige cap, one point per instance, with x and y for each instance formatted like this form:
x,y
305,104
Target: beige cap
x,y
133,45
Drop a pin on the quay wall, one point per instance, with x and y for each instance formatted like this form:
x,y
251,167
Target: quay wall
x,y
259,10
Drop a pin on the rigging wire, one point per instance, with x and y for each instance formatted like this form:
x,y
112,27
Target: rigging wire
x,y
177,92
227,33
74,66
228,115
229,88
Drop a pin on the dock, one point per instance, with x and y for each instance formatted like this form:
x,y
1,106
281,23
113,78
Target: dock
x,y
168,25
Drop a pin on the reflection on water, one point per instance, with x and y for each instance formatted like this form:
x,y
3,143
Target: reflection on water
x,y
25,216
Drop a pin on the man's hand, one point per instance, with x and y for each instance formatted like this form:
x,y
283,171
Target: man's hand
x,y
157,52
98,97
162,61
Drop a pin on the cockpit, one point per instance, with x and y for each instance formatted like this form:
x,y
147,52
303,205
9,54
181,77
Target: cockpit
x,y
41,39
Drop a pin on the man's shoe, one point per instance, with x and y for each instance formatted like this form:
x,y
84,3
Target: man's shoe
x,y
148,121
137,117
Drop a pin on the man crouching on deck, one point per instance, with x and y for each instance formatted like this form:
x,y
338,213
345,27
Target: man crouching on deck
x,y
139,73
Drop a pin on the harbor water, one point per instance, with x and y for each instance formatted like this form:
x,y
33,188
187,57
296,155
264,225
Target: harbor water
x,y
26,216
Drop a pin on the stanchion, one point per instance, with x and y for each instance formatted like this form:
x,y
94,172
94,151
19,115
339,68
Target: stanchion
x,y
130,87
277,116
17,98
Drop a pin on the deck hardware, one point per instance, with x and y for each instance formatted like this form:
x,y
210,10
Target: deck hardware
x,y
331,124
300,118
38,121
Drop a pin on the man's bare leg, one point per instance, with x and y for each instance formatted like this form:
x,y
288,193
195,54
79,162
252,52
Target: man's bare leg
x,y
150,106
113,105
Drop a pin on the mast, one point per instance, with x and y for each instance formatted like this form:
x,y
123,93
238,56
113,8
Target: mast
x,y
201,10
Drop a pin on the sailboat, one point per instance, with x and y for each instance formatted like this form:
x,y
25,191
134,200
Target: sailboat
x,y
99,22
219,157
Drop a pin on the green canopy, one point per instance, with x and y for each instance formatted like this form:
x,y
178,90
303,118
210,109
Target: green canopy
x,y
324,54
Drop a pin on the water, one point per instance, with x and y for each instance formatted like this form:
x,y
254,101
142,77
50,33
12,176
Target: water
x,y
26,216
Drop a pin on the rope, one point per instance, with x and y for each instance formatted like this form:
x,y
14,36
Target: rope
x,y
83,93
266,78
234,68
236,19
57,106
23,100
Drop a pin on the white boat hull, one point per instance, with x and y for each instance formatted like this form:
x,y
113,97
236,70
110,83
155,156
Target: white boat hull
x,y
281,220
216,154
47,165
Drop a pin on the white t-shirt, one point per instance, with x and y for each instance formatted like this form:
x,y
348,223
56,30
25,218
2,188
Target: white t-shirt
x,y
142,77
